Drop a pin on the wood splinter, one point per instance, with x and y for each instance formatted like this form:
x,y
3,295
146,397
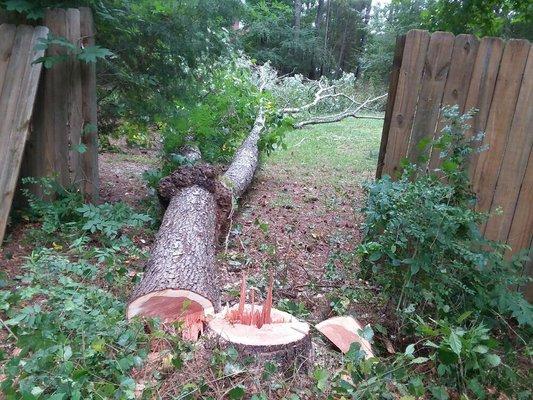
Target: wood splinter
x,y
262,331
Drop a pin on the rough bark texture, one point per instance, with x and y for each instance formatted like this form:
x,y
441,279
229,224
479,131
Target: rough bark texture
x,y
298,354
183,256
241,171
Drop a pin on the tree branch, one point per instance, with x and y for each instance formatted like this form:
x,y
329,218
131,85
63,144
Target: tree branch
x,y
340,116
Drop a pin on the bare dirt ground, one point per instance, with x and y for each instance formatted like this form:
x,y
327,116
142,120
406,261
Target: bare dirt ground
x,y
299,221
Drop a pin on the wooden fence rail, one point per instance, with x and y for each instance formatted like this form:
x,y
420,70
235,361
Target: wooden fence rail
x,y
495,77
18,86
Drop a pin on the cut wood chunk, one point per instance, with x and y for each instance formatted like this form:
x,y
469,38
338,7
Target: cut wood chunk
x,y
170,305
285,340
343,331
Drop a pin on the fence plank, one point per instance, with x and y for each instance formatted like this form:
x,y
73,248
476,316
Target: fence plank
x,y
52,150
16,104
463,57
499,120
89,159
522,225
391,98
414,55
482,85
436,67
515,159
7,35
74,98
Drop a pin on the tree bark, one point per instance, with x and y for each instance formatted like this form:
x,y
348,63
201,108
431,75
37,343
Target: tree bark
x,y
181,279
297,17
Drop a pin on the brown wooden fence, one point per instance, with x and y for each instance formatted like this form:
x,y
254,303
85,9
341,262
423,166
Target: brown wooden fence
x,y
18,86
491,75
65,111
60,139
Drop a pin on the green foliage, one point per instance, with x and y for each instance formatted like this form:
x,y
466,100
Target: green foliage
x,y
67,214
508,18
74,341
223,116
423,242
86,54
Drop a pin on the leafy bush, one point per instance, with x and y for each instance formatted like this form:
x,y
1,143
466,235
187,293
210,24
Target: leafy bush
x,y
67,211
424,246
72,338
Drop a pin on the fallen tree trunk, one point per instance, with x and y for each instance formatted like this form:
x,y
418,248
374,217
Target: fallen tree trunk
x,y
180,282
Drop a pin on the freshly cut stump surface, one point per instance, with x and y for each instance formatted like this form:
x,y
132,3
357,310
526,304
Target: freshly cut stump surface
x,y
285,341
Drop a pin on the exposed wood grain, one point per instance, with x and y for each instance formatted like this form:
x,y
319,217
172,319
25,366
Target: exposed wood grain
x,y
515,159
414,55
89,159
391,98
53,150
521,229
73,92
7,35
435,73
16,104
482,84
463,57
499,120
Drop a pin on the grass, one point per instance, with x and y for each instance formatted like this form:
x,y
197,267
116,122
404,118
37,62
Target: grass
x,y
337,150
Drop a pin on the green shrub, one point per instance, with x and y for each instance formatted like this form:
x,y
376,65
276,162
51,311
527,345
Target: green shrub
x,y
423,244
67,213
73,338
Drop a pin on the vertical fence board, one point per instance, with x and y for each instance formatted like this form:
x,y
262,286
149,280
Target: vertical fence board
x,y
65,103
522,224
89,159
499,120
414,55
436,67
514,160
463,57
7,35
393,84
17,97
494,77
482,84
73,91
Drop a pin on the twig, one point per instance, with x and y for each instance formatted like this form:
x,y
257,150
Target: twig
x,y
8,329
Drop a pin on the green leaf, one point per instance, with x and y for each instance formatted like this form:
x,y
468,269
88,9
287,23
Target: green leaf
x,y
493,359
409,350
321,378
366,333
455,343
236,393
92,53
80,148
439,392
67,353
464,316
